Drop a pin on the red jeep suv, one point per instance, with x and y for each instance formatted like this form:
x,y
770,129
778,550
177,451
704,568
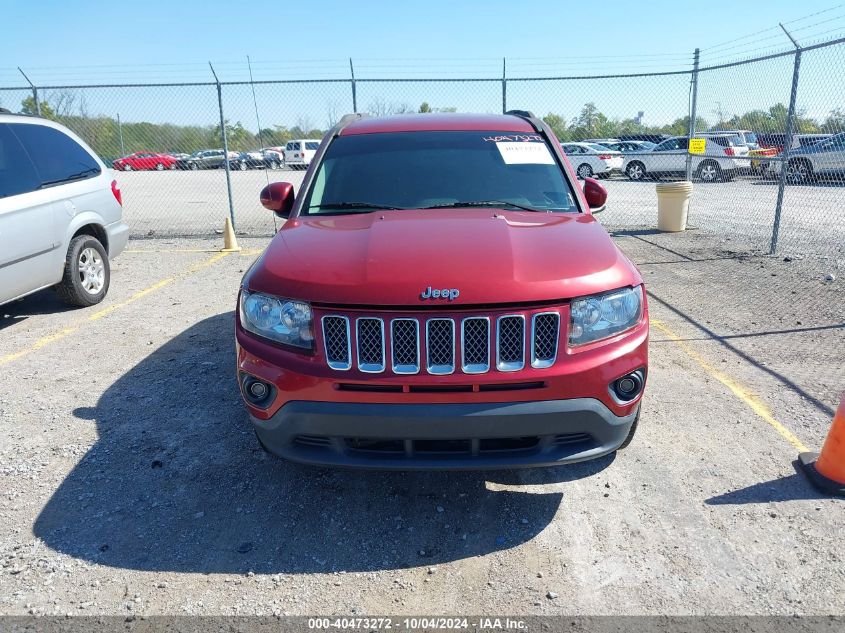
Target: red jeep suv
x,y
441,296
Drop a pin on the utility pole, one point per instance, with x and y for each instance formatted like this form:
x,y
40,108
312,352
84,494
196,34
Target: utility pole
x,y
34,92
354,90
504,85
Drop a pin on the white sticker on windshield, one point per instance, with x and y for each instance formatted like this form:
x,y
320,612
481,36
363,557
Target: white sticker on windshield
x,y
525,153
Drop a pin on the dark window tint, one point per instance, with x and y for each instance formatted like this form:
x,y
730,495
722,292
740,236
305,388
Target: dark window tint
x,y
57,157
438,169
313,145
17,174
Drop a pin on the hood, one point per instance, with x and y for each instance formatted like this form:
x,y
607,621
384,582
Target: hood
x,y
490,256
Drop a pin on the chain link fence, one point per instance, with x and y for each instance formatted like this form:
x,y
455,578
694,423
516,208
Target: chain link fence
x,y
788,99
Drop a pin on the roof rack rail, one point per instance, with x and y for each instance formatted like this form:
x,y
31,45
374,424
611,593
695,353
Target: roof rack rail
x,y
345,120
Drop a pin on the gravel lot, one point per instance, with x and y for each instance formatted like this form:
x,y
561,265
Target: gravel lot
x,y
131,482
813,221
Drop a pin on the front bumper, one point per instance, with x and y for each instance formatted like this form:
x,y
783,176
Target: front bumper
x,y
444,436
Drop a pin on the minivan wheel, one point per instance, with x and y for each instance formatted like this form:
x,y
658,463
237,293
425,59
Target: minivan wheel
x,y
585,171
709,171
87,273
635,170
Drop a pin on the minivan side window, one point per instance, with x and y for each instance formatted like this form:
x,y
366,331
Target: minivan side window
x,y
17,173
57,157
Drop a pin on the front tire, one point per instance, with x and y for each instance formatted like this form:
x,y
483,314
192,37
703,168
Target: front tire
x,y
242,166
635,170
194,167
709,171
87,273
799,171
127,167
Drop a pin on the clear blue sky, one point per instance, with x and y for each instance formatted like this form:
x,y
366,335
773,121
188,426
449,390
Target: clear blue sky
x,y
62,42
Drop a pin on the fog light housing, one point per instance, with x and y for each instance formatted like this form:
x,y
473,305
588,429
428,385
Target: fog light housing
x,y
628,387
256,392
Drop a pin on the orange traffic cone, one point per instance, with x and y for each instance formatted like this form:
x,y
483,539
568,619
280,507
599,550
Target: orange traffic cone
x,y
826,470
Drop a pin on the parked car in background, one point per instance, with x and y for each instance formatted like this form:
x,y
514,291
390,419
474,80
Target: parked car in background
x,y
590,159
209,159
60,213
275,155
600,141
724,156
651,138
178,155
771,145
145,160
747,136
626,147
299,153
824,158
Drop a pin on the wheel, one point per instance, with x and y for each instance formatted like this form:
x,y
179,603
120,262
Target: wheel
x,y
127,167
584,171
86,278
195,166
242,166
635,170
709,171
799,171
274,165
172,166
631,433
159,167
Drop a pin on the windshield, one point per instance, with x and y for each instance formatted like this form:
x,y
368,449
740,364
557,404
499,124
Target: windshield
x,y
750,137
597,147
413,170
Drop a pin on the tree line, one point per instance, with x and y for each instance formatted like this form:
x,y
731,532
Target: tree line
x,y
103,133
591,123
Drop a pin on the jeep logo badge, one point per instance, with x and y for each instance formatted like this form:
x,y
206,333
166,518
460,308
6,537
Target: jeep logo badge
x,y
446,293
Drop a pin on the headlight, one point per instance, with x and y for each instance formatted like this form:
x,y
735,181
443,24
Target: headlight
x,y
601,316
280,320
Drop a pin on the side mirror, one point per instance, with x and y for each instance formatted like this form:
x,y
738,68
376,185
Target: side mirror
x,y
278,197
595,194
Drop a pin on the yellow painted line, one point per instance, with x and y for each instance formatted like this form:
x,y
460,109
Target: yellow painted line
x,y
739,390
246,251
64,333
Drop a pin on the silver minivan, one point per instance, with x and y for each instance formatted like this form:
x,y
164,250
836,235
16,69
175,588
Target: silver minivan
x,y
60,213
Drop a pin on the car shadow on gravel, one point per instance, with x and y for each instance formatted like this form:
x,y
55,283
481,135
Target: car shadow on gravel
x,y
176,482
41,302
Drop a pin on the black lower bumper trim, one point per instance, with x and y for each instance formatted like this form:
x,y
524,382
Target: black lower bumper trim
x,y
444,436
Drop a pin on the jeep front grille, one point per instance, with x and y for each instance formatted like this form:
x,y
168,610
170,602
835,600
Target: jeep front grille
x,y
440,345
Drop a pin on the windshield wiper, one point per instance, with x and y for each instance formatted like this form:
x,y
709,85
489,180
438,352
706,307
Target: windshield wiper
x,y
482,203
76,176
352,206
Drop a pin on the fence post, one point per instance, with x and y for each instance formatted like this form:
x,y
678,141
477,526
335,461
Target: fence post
x,y
787,144
692,110
225,146
504,86
354,91
34,92
120,135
